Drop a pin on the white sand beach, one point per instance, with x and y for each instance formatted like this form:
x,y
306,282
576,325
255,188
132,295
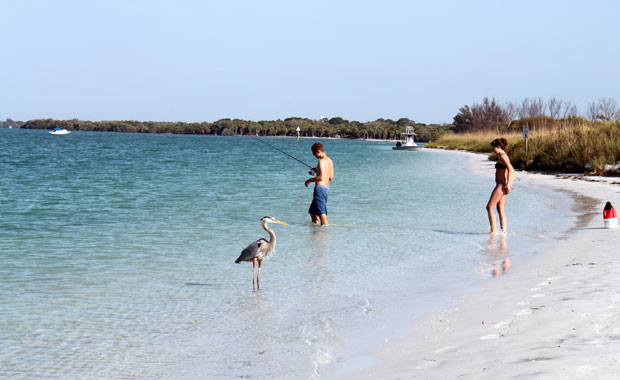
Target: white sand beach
x,y
556,316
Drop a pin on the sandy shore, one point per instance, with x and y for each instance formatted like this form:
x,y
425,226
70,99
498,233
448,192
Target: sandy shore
x,y
556,316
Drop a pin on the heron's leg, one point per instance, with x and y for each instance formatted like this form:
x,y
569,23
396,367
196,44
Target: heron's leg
x,y
254,273
260,263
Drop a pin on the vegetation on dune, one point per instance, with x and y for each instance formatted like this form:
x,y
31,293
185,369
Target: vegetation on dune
x,y
559,139
590,148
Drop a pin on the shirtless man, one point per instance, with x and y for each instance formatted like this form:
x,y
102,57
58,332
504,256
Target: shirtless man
x,y
324,173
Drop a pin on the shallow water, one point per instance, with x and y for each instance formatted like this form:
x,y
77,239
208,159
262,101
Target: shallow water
x,y
117,252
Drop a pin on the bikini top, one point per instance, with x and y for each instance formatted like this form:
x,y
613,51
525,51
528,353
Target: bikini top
x,y
500,166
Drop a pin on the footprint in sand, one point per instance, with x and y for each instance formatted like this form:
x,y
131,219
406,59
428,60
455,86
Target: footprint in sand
x,y
428,363
523,312
443,349
587,368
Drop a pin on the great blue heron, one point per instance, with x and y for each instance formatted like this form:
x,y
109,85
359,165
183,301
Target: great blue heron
x,y
260,249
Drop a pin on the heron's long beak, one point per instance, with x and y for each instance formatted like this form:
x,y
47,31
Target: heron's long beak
x,y
280,222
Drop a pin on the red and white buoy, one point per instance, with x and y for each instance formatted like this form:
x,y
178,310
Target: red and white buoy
x,y
610,218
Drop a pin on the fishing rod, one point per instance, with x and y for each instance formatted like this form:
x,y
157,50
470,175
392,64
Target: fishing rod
x,y
281,151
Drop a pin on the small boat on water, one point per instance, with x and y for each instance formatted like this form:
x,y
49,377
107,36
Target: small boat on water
x,y
408,141
58,131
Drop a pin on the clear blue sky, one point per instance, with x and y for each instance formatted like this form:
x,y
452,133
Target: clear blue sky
x,y
263,60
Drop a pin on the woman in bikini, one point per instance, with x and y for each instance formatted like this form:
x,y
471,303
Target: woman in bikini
x,y
504,175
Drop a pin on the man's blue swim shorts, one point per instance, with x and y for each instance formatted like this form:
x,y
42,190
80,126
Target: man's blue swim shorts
x,y
319,201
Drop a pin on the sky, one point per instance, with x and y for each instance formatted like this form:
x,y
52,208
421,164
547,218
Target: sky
x,y
257,60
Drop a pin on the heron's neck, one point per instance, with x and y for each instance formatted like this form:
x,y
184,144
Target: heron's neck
x,y
272,235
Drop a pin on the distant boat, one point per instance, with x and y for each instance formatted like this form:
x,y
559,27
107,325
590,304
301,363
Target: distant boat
x,y
408,142
58,131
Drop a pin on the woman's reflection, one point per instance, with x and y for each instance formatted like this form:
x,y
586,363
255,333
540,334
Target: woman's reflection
x,y
493,248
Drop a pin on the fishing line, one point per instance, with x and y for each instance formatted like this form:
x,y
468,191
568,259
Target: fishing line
x,y
281,151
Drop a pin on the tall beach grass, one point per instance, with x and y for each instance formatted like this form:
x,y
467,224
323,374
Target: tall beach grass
x,y
592,148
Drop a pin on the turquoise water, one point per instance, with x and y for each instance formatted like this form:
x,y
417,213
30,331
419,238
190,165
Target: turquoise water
x,y
117,252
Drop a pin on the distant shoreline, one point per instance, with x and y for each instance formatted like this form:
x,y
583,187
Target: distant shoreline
x,y
380,129
394,139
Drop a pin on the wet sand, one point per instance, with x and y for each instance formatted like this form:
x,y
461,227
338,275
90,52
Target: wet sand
x,y
556,316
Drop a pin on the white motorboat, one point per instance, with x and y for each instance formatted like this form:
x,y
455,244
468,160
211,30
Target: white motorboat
x,y
58,131
408,141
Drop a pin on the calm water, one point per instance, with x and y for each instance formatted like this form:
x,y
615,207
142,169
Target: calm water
x,y
117,252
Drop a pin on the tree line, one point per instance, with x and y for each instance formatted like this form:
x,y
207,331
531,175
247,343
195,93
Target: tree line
x,y
535,112
489,115
385,129
10,123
